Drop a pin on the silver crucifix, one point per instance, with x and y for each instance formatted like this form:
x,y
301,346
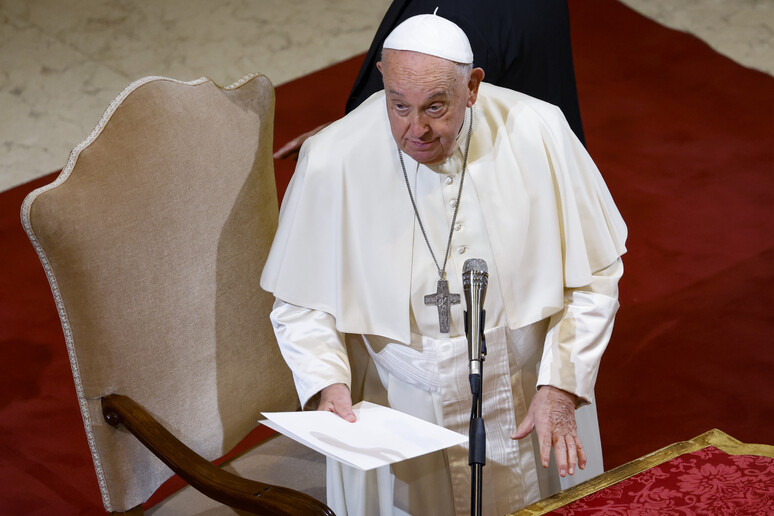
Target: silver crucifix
x,y
443,300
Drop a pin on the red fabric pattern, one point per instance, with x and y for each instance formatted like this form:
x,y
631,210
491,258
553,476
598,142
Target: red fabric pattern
x,y
707,481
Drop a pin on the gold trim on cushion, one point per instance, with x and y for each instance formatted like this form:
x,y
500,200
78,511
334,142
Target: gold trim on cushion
x,y
714,437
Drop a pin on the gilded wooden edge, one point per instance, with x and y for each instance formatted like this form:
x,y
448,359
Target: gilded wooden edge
x,y
713,437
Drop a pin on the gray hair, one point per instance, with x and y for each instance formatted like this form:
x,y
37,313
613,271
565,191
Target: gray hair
x,y
463,70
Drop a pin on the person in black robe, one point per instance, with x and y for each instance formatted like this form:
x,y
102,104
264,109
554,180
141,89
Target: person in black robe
x,y
523,45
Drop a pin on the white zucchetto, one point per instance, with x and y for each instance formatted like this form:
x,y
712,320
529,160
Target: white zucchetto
x,y
433,35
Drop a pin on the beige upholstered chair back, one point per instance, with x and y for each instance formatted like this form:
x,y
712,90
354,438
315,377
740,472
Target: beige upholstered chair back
x,y
153,239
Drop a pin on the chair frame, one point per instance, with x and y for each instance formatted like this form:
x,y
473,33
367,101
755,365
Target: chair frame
x,y
216,483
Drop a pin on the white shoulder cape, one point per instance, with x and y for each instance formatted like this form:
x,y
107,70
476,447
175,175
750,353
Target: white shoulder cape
x,y
344,241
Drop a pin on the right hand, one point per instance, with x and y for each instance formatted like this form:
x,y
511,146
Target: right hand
x,y
337,399
552,415
291,149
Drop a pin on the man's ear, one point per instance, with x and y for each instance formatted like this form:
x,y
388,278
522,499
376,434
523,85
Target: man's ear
x,y
379,66
476,76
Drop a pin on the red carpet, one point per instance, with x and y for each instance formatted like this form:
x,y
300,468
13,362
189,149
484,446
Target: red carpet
x,y
683,137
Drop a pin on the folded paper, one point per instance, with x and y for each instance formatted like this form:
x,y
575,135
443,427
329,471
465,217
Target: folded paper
x,y
379,437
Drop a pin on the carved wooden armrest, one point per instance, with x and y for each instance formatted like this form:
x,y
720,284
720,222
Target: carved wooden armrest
x,y
218,484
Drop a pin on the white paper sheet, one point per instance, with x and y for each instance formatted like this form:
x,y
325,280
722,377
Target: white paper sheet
x,y
380,436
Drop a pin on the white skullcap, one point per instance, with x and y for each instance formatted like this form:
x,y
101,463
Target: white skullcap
x,y
430,34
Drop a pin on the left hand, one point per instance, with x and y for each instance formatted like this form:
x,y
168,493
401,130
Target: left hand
x,y
552,415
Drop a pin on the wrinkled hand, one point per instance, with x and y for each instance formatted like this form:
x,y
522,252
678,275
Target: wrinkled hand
x,y
291,149
337,399
552,415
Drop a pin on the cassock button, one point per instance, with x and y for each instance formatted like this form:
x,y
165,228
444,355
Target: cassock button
x,y
462,249
449,180
453,203
457,227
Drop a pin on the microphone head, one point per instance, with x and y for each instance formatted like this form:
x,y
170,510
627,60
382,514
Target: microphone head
x,y
474,264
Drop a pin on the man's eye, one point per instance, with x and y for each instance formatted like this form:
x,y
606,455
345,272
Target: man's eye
x,y
435,108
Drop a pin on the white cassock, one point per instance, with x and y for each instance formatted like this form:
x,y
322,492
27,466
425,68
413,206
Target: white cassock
x,y
349,258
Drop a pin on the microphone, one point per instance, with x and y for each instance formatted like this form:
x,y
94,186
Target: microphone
x,y
474,280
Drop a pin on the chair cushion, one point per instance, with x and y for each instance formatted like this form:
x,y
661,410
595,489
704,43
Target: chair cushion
x,y
153,239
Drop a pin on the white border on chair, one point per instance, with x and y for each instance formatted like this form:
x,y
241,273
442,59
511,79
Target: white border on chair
x,y
25,218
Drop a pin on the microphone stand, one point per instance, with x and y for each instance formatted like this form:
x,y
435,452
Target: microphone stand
x,y
474,282
477,432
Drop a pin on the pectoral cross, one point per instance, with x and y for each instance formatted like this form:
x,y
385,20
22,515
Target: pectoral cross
x,y
443,300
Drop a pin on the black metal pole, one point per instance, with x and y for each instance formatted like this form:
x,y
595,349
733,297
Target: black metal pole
x,y
476,446
477,432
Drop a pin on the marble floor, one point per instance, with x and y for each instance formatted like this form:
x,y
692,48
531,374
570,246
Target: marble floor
x,y
63,61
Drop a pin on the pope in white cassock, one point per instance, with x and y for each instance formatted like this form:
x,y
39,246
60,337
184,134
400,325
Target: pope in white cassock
x,y
384,208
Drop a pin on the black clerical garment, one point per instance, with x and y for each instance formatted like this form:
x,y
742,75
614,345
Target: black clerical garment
x,y
523,45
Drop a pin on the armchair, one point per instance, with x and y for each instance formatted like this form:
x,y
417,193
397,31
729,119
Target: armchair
x,y
153,238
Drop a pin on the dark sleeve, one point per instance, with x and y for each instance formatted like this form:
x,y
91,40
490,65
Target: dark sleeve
x,y
534,54
523,45
369,80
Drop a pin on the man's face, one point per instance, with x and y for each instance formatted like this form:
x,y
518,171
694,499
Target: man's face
x,y
426,101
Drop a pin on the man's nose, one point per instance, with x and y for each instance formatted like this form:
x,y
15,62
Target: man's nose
x,y
419,129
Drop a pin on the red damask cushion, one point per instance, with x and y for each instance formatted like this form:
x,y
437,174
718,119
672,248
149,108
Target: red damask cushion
x,y
707,481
